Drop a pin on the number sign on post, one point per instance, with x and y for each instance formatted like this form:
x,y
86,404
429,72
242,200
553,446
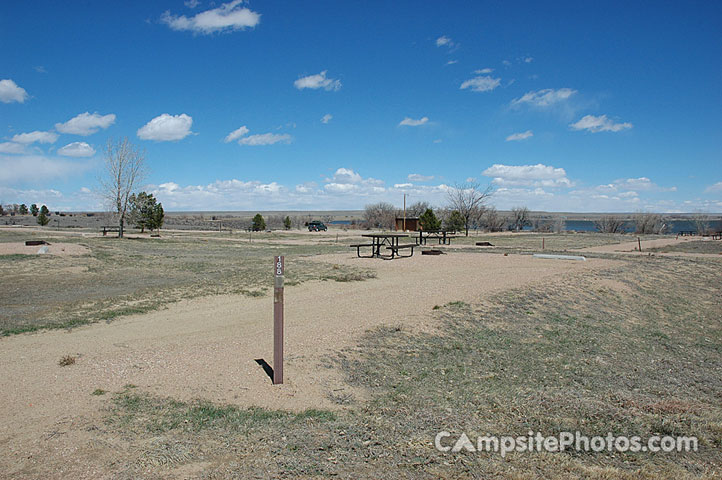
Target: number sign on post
x,y
278,267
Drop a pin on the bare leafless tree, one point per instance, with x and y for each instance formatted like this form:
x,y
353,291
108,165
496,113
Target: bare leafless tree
x,y
124,170
469,201
701,223
520,218
610,224
380,215
493,221
649,223
416,209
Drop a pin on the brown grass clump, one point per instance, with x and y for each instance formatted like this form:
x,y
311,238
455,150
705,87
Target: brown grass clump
x,y
67,360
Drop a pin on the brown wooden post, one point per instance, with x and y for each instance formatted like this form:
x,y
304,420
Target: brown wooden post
x,y
278,268
639,242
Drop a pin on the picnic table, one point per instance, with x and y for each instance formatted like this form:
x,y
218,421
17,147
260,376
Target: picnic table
x,y
388,240
444,236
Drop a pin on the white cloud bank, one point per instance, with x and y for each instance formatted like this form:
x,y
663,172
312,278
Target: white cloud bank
x,y
314,82
12,148
35,137
481,84
11,92
86,124
410,122
166,128
538,175
515,137
38,168
544,98
599,124
228,17
77,149
417,177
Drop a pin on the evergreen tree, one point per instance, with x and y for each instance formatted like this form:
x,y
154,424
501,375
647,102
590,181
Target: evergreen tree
x,y
429,222
287,223
455,221
259,224
33,210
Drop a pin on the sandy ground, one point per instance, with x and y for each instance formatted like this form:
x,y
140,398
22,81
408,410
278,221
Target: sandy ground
x,y
205,348
12,248
633,247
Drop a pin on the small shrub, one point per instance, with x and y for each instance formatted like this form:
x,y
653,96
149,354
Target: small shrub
x,y
99,391
67,360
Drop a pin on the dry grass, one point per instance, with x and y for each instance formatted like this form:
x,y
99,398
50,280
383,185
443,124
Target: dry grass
x,y
632,350
67,360
695,246
130,276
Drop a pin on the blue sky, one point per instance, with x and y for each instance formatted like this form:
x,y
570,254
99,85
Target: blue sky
x,y
563,106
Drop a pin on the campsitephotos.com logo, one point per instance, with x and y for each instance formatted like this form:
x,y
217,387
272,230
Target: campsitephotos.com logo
x,y
564,441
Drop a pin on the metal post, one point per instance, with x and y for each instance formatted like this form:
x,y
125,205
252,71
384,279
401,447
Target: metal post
x,y
278,268
404,212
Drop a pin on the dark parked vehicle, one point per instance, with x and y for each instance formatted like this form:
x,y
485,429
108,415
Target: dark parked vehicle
x,y
316,227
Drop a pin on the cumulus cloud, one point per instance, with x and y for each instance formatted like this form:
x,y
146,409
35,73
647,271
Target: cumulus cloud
x,y
416,177
265,139
410,122
599,124
519,136
326,118
35,137
481,84
86,124
11,92
236,134
538,175
641,184
545,97
314,82
166,128
228,17
716,188
12,147
77,149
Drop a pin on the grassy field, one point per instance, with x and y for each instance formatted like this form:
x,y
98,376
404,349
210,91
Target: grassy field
x,y
633,350
695,246
128,276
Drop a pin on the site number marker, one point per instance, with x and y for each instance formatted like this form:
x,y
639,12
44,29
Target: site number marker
x,y
278,269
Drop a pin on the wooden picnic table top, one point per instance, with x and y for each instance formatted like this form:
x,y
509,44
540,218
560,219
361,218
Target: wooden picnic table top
x,y
385,235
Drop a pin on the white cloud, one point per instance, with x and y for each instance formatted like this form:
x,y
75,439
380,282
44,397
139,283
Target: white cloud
x,y
228,17
403,185
37,168
11,92
519,136
165,128
484,71
191,3
410,122
77,149
12,147
599,124
265,139
306,187
40,69
506,63
641,184
716,188
481,84
36,136
86,124
314,82
528,59
326,118
545,98
444,41
416,177
452,62
527,176
236,134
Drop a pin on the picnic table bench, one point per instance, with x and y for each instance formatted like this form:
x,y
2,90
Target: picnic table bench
x,y
687,233
444,236
110,228
388,240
